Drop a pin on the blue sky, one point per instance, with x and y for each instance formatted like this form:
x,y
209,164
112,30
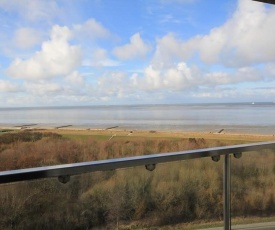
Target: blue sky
x,y
89,52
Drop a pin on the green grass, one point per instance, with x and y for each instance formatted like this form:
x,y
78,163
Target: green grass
x,y
5,130
104,137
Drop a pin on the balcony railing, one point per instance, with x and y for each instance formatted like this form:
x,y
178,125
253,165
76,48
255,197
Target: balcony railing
x,y
63,172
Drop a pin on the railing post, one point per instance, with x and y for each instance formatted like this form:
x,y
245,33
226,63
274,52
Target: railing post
x,y
227,193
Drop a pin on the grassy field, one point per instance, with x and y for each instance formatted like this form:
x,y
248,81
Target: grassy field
x,y
173,196
106,134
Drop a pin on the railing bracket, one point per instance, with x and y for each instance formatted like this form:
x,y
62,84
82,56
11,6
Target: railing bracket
x,y
64,179
216,158
150,167
237,155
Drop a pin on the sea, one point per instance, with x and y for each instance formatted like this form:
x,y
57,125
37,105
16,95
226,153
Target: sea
x,y
258,118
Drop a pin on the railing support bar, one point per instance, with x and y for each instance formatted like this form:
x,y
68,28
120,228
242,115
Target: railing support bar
x,y
227,193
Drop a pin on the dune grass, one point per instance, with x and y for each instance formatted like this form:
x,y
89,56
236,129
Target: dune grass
x,y
174,194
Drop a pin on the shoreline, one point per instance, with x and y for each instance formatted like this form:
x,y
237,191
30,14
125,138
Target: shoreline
x,y
118,131
139,125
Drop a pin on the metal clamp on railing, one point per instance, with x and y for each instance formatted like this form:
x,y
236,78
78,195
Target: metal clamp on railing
x,y
150,167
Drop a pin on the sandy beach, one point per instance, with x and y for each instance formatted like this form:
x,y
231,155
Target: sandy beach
x,y
222,134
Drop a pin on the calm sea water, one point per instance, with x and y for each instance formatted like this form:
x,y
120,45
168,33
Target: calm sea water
x,y
244,117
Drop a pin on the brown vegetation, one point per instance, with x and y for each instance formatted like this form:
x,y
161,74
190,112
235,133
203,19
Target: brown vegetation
x,y
173,193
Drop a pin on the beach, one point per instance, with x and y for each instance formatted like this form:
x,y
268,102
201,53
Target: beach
x,y
237,121
235,118
116,132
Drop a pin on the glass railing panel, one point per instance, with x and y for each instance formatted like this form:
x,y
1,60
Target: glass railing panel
x,y
253,190
48,204
183,194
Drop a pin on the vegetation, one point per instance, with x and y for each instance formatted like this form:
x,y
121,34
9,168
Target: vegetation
x,y
135,198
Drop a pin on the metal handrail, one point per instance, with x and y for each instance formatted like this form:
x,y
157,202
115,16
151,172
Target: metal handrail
x,y
118,163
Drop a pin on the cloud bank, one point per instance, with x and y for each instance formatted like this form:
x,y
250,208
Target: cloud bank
x,y
86,62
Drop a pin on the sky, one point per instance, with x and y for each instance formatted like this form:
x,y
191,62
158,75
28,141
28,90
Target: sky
x,y
105,52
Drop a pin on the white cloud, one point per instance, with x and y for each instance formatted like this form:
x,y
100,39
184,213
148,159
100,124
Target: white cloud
x,y
61,33
245,39
169,50
100,54
137,48
43,88
100,58
177,77
56,58
32,10
217,78
113,84
101,63
151,81
248,74
75,79
241,75
180,76
25,38
91,29
269,71
6,86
